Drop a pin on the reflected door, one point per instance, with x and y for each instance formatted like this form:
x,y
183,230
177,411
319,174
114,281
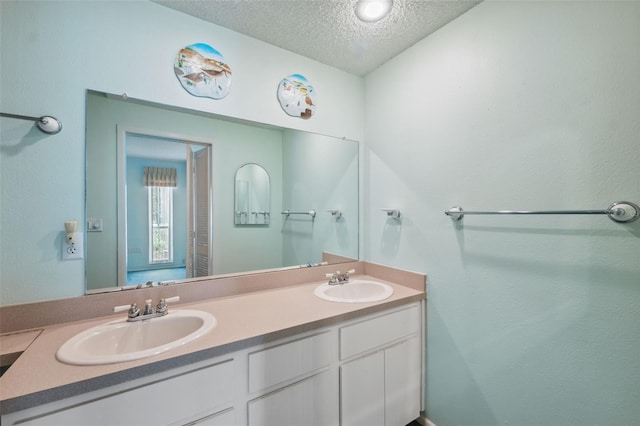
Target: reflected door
x,y
199,208
190,225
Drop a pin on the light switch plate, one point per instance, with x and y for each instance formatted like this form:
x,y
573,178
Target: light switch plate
x,y
94,225
73,251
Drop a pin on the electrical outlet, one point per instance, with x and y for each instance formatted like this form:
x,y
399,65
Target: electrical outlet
x,y
75,250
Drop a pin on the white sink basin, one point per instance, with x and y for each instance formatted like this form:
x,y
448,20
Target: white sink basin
x,y
356,291
119,340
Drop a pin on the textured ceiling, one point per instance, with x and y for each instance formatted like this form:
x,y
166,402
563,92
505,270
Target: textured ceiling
x,y
328,30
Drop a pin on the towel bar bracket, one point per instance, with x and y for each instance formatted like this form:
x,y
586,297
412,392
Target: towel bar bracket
x,y
47,124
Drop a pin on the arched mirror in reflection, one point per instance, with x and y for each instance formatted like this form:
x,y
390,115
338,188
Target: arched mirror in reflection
x,y
252,195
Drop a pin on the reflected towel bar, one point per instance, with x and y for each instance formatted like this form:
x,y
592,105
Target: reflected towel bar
x,y
311,213
620,211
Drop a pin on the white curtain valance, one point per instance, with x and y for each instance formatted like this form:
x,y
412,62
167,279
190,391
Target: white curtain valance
x,y
160,176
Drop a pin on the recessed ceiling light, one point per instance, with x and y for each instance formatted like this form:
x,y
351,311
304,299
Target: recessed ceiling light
x,y
373,10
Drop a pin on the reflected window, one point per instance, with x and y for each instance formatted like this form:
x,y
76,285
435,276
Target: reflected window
x,y
160,224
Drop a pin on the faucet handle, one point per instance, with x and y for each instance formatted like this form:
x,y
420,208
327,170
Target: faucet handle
x,y
133,310
333,278
162,304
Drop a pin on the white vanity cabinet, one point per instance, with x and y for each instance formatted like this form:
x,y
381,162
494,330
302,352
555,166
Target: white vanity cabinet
x,y
201,394
380,371
366,371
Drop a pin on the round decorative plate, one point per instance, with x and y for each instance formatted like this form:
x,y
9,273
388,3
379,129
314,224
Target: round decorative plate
x,y
296,96
202,71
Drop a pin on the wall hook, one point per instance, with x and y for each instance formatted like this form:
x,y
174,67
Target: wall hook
x,y
335,213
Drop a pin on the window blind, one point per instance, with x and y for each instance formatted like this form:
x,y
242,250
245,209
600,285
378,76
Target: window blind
x,y
160,176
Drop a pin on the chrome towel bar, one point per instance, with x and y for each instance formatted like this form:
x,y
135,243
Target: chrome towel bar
x,y
620,211
311,213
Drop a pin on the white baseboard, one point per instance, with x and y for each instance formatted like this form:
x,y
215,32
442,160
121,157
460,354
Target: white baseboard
x,y
425,421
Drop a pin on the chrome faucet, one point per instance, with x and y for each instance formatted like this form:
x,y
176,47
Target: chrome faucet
x,y
134,313
339,278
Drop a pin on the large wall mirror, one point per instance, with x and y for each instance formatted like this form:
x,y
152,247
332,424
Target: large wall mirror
x,y
158,229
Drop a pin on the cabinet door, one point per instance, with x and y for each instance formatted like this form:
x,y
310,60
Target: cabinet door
x,y
383,330
382,388
310,402
402,376
279,364
362,391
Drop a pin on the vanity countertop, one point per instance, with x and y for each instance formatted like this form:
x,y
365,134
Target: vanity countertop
x,y
244,320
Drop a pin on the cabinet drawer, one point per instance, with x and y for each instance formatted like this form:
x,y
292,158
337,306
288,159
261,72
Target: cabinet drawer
x,y
281,363
379,331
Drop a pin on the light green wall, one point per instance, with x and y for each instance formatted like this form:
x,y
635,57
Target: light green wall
x,y
319,173
246,248
532,320
53,51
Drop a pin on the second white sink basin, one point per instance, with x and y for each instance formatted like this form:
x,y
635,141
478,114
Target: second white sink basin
x,y
119,340
356,291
